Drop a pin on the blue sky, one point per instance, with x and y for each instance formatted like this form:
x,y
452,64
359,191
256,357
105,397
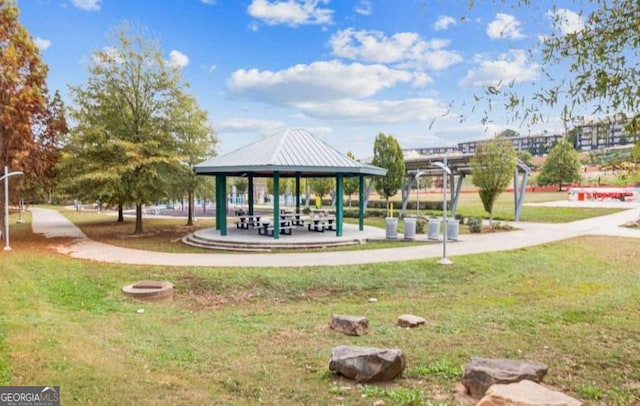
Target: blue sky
x,y
344,69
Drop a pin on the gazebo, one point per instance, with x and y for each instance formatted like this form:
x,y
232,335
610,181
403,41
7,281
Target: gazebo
x,y
292,153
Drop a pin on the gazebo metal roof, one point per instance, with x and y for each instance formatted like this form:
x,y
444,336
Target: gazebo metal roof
x,y
290,152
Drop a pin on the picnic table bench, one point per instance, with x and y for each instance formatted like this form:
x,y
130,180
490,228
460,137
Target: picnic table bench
x,y
248,221
320,224
267,229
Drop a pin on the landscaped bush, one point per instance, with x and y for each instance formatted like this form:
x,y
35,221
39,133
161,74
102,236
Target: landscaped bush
x,y
475,224
420,226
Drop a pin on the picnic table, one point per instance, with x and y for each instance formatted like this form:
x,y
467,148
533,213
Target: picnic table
x,y
248,221
321,223
266,228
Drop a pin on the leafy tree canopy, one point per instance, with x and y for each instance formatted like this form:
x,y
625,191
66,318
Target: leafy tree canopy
x,y
388,154
561,166
24,113
493,167
132,124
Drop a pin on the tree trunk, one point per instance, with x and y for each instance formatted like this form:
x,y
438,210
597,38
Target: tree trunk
x,y
120,213
190,208
138,219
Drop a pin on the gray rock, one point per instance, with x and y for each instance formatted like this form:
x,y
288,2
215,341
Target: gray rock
x,y
350,325
364,364
409,320
525,393
480,373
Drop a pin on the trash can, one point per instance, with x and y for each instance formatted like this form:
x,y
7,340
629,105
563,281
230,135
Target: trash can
x,y
409,228
392,228
433,233
453,228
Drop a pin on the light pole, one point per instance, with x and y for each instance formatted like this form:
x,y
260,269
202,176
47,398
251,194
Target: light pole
x,y
5,177
445,174
420,173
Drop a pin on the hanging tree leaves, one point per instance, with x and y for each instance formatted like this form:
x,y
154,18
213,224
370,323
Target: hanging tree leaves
x,y
599,60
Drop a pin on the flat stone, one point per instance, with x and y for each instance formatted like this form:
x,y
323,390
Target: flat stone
x,y
525,393
349,325
365,364
480,373
409,320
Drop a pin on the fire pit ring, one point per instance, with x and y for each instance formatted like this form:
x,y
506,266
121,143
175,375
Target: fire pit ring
x,y
150,291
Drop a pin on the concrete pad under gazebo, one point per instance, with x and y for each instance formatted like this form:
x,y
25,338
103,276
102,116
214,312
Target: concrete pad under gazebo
x,y
292,153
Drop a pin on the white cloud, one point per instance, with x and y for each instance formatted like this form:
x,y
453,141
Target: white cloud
x,y
510,67
41,43
212,2
401,48
88,5
364,7
291,12
320,81
505,26
336,91
239,125
177,59
566,21
376,111
444,22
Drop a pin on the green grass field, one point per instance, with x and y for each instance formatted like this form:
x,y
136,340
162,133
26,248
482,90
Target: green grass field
x,y
250,336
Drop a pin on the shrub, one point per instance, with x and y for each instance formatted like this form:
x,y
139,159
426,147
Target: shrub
x,y
420,226
475,224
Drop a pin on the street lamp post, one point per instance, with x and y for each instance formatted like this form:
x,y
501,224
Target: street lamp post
x,y
7,247
418,174
445,174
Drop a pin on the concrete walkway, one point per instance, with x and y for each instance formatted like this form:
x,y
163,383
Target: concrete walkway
x,y
52,224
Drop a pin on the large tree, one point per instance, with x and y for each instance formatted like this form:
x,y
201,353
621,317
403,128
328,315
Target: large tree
x,y
124,146
23,96
561,166
196,141
492,168
388,154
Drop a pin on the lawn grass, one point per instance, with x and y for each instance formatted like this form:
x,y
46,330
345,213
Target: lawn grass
x,y
247,336
470,205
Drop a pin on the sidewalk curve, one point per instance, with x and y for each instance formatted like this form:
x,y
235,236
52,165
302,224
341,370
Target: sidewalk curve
x,y
53,224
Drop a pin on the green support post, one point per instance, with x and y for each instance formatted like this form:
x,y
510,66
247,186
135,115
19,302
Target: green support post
x,y
218,203
250,187
339,203
223,206
297,192
361,203
276,205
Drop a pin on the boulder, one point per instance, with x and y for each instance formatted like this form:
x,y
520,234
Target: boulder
x,y
409,320
350,325
480,373
364,364
525,393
